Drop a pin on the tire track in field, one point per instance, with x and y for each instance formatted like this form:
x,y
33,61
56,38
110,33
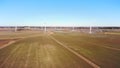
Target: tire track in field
x,y
37,55
80,56
9,43
40,56
49,58
28,55
5,61
15,58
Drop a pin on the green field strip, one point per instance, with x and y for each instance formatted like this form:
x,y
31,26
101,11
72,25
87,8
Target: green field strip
x,y
77,54
110,41
95,41
100,55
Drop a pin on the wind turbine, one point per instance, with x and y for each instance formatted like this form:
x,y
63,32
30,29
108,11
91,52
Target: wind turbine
x,y
90,29
15,28
45,29
73,27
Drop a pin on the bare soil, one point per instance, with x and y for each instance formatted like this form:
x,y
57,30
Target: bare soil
x,y
6,41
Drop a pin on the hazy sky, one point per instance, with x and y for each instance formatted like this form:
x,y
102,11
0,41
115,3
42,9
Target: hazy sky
x,y
60,12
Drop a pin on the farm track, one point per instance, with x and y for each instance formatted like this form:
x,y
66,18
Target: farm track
x,y
27,59
39,52
5,45
77,54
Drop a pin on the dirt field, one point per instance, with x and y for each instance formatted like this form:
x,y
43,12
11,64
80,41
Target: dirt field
x,y
39,52
61,50
3,42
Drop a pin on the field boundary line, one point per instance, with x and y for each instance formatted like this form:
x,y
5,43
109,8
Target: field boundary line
x,y
108,47
77,54
112,48
28,55
9,43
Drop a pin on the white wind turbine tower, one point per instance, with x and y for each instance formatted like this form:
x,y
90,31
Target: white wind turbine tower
x,y
45,29
73,28
90,30
15,28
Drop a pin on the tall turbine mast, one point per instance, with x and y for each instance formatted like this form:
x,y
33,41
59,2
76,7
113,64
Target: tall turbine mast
x,y
15,28
73,28
90,31
45,29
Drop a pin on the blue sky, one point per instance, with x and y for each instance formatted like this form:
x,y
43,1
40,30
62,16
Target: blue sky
x,y
60,12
